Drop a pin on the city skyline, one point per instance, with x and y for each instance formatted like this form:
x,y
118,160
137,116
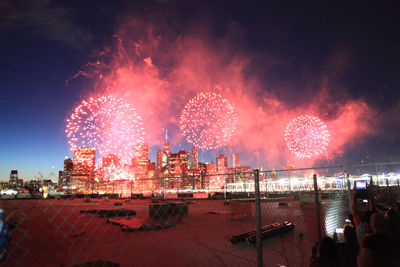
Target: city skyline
x,y
104,160
264,64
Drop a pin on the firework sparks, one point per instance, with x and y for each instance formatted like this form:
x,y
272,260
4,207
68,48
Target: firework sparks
x,y
208,121
106,123
307,136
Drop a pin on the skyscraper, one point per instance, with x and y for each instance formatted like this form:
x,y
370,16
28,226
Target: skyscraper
x,y
142,157
60,177
166,154
235,160
68,168
14,178
84,164
222,163
195,159
167,149
184,158
289,167
159,159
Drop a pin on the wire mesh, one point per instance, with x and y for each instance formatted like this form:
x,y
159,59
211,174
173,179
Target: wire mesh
x,y
201,219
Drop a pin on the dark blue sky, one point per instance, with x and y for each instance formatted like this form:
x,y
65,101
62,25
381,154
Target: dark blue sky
x,y
44,43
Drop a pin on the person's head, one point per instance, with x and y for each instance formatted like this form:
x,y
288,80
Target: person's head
x,y
349,233
350,238
390,213
393,219
327,248
378,223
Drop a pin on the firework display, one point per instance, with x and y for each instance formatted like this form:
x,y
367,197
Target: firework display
x,y
208,121
106,123
307,136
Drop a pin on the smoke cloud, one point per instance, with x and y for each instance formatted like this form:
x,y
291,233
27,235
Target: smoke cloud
x,y
159,71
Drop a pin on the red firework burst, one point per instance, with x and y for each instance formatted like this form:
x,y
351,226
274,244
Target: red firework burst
x,y
208,121
106,123
307,136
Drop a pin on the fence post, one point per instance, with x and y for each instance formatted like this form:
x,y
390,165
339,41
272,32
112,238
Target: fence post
x,y
152,186
349,193
372,190
201,179
177,185
244,182
388,191
317,207
224,187
258,218
208,184
164,185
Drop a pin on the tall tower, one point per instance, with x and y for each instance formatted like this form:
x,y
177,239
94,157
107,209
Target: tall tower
x,y
84,161
184,158
167,149
195,159
166,152
235,160
14,178
68,168
159,159
142,156
222,163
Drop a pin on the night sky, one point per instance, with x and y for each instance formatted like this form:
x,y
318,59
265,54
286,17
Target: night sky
x,y
273,62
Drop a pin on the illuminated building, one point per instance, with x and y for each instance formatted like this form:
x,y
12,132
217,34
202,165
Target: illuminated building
x,y
159,159
83,167
202,166
152,166
60,177
167,149
222,163
273,174
111,160
289,170
142,159
235,160
195,159
173,164
14,178
211,168
84,161
164,160
166,154
68,168
243,173
184,158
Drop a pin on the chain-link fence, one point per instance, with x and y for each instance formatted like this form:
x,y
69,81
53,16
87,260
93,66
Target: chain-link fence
x,y
239,218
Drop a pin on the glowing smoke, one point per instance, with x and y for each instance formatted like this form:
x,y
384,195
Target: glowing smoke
x,y
159,74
